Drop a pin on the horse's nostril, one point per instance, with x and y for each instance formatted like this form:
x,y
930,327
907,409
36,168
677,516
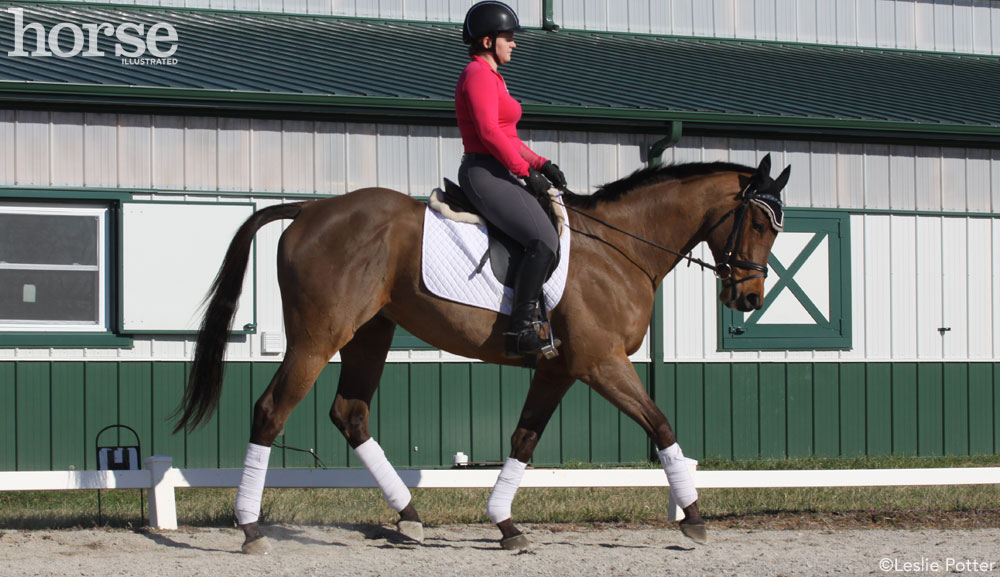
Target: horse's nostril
x,y
754,300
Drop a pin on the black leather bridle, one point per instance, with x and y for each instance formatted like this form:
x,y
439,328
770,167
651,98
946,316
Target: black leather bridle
x,y
751,194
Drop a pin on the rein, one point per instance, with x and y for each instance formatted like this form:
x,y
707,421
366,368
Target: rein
x,y
723,270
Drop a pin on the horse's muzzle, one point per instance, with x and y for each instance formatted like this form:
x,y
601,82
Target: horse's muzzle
x,y
743,302
748,302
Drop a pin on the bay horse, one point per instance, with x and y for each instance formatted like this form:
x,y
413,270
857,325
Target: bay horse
x,y
349,270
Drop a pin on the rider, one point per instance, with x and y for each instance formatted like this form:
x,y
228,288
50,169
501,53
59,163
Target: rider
x,y
494,160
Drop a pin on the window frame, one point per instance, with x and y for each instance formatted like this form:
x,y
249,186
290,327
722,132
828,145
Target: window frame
x,y
104,261
837,334
56,335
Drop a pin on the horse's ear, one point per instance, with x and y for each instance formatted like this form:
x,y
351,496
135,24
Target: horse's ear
x,y
745,181
765,167
781,181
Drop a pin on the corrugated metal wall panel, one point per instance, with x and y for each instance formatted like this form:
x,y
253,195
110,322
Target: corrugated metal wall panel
x,y
8,415
265,156
929,243
885,23
234,154
904,409
878,288
978,282
69,438
201,149
955,288
67,147
906,27
928,178
168,152
32,148
901,178
135,158
297,156
903,298
331,155
977,174
878,409
100,152
8,154
34,415
876,176
995,242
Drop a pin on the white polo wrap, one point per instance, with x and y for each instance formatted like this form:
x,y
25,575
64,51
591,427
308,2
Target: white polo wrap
x,y
498,506
252,484
393,489
678,475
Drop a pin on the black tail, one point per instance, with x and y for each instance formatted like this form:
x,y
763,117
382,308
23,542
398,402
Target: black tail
x,y
204,387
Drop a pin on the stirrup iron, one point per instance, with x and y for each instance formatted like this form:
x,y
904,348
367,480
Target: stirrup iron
x,y
549,351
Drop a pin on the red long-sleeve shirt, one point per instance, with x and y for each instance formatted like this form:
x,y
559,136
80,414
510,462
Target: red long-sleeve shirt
x,y
487,118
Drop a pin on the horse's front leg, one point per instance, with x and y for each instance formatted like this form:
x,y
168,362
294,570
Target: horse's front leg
x,y
543,397
617,381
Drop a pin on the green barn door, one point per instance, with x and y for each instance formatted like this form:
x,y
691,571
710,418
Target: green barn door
x,y
807,302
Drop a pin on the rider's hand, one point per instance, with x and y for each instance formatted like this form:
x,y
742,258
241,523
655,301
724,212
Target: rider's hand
x,y
537,184
552,172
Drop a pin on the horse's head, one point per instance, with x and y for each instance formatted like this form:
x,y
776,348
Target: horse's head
x,y
742,248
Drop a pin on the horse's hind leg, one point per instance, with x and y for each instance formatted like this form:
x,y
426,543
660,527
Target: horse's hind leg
x,y
362,361
617,381
296,375
546,390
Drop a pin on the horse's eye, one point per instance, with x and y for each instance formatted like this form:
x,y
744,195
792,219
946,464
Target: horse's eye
x,y
758,227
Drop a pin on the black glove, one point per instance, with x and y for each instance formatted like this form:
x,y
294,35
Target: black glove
x,y
555,176
537,185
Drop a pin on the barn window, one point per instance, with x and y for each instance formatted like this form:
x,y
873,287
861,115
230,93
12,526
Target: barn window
x,y
53,267
807,304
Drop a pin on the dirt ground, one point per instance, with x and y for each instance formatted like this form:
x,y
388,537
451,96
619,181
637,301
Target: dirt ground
x,y
466,551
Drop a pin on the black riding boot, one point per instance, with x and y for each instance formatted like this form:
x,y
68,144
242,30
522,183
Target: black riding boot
x,y
523,338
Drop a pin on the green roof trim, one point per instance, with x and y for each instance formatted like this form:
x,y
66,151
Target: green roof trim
x,y
238,61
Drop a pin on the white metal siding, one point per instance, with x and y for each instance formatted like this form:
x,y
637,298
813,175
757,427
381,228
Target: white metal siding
x,y
911,274
968,26
529,11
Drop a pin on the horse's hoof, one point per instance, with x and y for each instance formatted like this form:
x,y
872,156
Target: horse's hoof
x,y
515,543
259,546
412,530
695,532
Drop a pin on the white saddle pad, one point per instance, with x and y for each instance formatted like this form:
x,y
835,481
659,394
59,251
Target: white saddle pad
x,y
451,253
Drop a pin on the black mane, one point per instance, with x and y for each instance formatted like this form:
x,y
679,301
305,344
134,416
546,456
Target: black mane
x,y
651,175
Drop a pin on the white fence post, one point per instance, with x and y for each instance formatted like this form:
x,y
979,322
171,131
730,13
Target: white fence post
x,y
162,505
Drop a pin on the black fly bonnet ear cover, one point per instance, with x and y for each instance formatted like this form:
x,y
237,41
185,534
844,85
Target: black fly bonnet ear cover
x,y
765,192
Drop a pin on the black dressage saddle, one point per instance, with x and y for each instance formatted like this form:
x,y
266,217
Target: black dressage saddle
x,y
504,253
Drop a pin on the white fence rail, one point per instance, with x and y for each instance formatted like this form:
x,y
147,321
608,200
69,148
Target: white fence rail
x,y
161,479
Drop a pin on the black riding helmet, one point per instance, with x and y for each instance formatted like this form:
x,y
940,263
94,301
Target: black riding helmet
x,y
488,18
